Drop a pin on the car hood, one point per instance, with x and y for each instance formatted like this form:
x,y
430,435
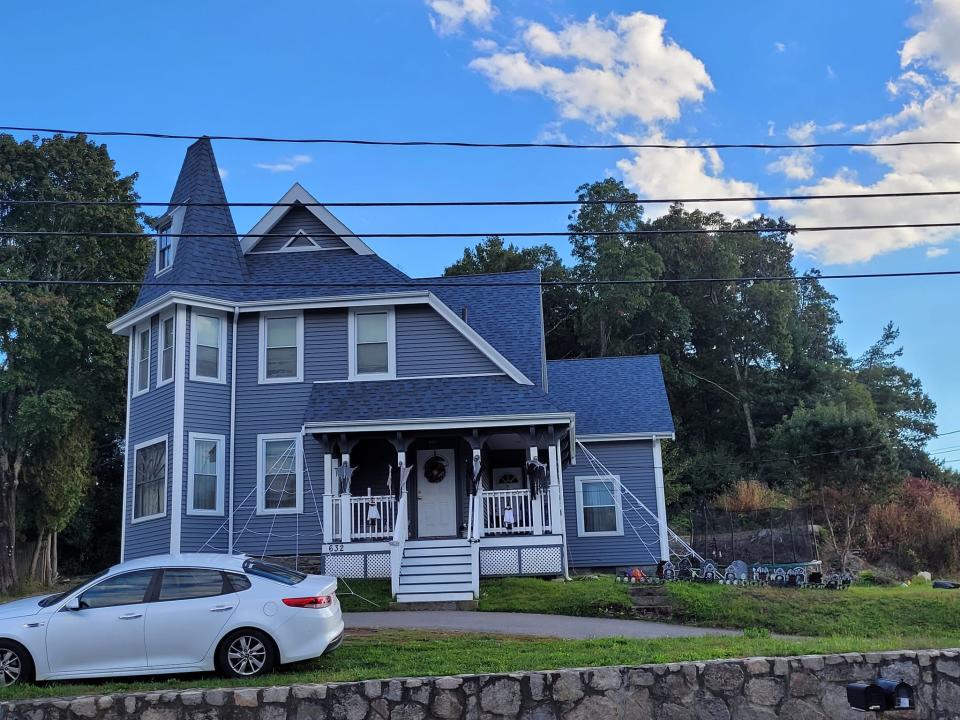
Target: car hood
x,y
21,608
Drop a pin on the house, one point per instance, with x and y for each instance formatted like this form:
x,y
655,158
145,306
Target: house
x,y
293,394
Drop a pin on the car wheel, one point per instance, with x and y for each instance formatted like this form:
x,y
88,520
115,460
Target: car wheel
x,y
16,665
246,654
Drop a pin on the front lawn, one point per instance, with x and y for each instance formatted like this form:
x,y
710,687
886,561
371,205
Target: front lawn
x,y
385,654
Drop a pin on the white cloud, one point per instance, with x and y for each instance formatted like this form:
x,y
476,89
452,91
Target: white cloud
x,y
794,166
288,164
779,47
449,16
830,73
683,173
936,252
602,71
485,45
931,62
223,172
552,132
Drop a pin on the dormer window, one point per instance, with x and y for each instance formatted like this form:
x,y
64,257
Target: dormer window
x,y
164,248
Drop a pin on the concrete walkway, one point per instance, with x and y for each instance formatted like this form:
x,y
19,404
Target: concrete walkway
x,y
559,626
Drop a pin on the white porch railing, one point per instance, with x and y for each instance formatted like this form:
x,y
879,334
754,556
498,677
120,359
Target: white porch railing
x,y
544,499
362,525
496,519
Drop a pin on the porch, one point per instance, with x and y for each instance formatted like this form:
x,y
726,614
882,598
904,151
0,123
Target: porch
x,y
433,506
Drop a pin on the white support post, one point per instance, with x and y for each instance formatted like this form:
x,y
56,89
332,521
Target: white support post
x,y
479,522
536,505
327,498
661,500
556,501
346,516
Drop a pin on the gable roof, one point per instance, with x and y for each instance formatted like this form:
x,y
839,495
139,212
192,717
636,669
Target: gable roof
x,y
613,396
198,259
297,194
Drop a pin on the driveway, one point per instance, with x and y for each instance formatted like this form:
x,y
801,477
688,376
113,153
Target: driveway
x,y
559,626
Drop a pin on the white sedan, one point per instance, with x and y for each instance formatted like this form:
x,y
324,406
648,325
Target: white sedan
x,y
169,614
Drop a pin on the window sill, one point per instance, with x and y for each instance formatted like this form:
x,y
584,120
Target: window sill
x,y
212,381
204,513
606,533
148,518
280,381
289,511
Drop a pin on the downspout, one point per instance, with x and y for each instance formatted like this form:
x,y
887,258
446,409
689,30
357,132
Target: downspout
x,y
126,446
233,419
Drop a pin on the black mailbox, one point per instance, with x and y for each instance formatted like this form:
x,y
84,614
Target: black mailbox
x,y
880,695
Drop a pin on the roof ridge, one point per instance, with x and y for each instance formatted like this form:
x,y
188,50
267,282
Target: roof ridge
x,y
490,274
607,357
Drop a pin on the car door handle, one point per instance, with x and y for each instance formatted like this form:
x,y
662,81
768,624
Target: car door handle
x,y
221,608
130,616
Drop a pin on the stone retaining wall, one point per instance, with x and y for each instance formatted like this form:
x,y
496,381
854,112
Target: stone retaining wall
x,y
798,688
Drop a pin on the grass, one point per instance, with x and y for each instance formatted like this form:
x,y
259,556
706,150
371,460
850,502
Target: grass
x,y
858,611
407,653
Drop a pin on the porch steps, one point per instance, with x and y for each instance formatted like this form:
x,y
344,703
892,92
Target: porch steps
x,y
434,571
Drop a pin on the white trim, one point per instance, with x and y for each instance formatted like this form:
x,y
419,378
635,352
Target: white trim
x,y
299,235
126,451
617,504
419,377
166,472
233,426
506,541
127,320
222,355
173,220
137,390
619,437
661,501
179,373
298,467
391,373
438,423
221,443
298,194
164,316
262,378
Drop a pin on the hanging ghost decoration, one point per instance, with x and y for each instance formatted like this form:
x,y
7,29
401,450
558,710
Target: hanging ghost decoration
x,y
345,473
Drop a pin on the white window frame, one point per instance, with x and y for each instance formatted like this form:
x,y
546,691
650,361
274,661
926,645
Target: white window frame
x,y
579,480
261,473
166,479
288,246
262,371
164,233
161,380
138,331
171,224
221,378
391,373
221,442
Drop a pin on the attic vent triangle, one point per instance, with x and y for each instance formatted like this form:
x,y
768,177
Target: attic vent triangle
x,y
301,240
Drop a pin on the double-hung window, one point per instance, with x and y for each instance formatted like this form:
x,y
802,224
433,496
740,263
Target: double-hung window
x,y
598,506
167,340
372,346
279,474
205,483
150,479
141,368
281,348
164,249
208,341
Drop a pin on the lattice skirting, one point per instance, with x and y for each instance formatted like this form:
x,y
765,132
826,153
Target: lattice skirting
x,y
357,565
537,560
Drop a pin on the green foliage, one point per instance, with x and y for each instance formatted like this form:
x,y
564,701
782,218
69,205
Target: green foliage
x,y
587,597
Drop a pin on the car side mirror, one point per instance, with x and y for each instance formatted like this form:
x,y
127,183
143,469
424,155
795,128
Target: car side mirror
x,y
73,604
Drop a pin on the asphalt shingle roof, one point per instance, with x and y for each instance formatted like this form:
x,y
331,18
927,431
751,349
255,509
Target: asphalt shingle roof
x,y
612,395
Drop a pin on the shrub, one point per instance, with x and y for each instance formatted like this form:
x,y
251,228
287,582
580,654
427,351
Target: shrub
x,y
751,495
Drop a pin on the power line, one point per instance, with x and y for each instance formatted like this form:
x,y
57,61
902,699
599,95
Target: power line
x,y
414,282
740,230
494,203
469,144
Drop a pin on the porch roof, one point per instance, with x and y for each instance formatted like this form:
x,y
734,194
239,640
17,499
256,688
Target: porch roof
x,y
613,396
425,398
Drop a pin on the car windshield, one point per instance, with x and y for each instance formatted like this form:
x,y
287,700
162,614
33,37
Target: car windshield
x,y
270,571
54,599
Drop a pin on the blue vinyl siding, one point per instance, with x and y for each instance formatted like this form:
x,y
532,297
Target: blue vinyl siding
x,y
299,218
273,408
325,345
633,462
206,409
151,416
429,345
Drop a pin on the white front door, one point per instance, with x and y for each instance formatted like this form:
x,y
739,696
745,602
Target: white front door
x,y
436,497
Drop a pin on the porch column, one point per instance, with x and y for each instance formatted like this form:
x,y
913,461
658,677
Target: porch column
x,y
327,498
479,524
536,504
346,508
556,501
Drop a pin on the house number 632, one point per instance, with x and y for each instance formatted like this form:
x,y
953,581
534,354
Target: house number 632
x,y
334,548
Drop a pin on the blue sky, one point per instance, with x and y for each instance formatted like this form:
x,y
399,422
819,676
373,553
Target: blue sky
x,y
511,70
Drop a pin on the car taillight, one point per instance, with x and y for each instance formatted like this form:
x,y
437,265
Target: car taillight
x,y
314,601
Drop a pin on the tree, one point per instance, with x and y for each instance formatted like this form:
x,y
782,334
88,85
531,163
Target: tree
x,y
61,371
